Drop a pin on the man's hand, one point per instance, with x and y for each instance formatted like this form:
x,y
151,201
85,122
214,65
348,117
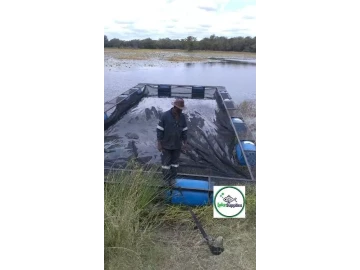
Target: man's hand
x,y
159,146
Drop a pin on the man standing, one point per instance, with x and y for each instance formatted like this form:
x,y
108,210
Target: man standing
x,y
172,136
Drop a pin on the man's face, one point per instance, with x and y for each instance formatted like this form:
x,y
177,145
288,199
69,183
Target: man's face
x,y
177,110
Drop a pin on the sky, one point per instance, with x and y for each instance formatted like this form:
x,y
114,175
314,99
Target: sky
x,y
177,19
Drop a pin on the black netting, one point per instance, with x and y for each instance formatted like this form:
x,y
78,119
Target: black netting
x,y
131,134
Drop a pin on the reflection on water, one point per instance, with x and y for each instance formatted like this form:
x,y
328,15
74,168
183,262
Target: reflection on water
x,y
225,63
239,78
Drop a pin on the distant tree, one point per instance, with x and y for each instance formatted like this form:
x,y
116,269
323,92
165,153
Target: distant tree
x,y
115,42
106,41
221,43
148,43
238,44
253,46
190,43
205,44
134,43
248,44
164,43
179,44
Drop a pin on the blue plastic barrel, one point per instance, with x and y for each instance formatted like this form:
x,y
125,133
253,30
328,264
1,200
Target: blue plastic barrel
x,y
188,197
239,124
250,152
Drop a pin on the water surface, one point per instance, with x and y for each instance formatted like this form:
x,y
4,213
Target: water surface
x,y
239,78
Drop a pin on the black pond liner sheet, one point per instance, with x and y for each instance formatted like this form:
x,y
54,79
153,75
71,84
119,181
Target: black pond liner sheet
x,y
211,138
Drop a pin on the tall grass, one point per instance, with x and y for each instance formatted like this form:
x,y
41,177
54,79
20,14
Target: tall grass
x,y
143,232
129,199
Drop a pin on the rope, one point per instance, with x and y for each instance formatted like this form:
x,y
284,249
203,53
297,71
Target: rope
x,y
214,250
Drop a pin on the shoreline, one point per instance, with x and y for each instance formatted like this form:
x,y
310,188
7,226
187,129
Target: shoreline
x,y
174,55
123,59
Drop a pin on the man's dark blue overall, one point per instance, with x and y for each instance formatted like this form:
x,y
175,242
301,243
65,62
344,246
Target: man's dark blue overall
x,y
171,135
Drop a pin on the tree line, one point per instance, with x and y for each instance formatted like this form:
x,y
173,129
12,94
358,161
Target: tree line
x,y
214,43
